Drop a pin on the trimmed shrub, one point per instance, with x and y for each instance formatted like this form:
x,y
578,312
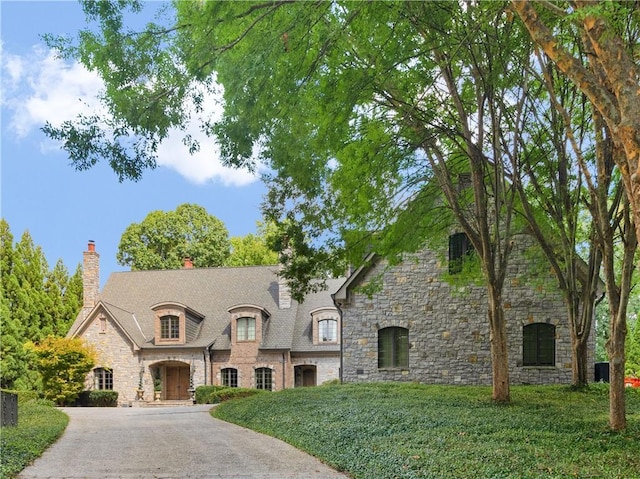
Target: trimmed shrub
x,y
103,398
97,398
203,393
218,394
233,393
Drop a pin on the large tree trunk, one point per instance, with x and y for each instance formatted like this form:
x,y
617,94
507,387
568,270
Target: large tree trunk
x,y
499,348
615,349
580,365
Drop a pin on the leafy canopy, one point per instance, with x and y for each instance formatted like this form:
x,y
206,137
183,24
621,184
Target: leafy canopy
x,y
164,239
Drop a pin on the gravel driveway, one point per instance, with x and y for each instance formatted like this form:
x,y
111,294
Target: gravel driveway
x,y
172,442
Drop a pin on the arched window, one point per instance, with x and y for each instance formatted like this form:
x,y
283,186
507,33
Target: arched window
x,y
538,344
328,330
393,348
264,379
246,329
230,377
103,378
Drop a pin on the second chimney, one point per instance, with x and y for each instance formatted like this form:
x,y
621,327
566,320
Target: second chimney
x,y
90,278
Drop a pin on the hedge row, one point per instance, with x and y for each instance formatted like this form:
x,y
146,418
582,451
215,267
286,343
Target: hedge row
x,y
98,398
218,394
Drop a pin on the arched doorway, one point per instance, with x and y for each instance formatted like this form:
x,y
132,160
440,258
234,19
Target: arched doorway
x,y
305,375
175,380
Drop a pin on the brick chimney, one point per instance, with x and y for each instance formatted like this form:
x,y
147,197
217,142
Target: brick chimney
x,y
90,278
187,263
284,290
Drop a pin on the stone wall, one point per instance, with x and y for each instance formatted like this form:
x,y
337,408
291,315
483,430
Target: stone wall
x,y
448,325
115,352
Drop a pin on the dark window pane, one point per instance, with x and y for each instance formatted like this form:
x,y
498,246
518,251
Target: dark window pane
x,y
538,344
393,348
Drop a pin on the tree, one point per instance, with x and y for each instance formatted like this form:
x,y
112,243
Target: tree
x,y
63,364
164,239
551,191
608,75
364,111
252,249
35,303
609,33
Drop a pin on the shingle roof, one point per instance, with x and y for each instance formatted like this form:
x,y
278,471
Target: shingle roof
x,y
128,297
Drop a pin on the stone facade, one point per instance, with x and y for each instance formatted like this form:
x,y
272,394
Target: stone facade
x,y
447,325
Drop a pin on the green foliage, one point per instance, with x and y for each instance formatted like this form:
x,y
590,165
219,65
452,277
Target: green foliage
x,y
203,393
23,396
39,425
34,302
63,364
97,398
163,239
393,430
632,349
253,249
218,394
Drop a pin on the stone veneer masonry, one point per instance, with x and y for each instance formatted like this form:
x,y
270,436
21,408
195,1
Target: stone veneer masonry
x,y
448,326
116,352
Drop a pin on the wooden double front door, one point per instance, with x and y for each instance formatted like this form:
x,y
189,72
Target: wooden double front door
x,y
177,383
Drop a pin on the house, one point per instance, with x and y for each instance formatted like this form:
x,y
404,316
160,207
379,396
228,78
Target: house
x,y
179,329
422,327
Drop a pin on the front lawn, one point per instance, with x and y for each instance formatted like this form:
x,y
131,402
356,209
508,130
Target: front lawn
x,y
39,425
396,430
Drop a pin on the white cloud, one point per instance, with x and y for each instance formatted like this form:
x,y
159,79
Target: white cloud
x,y
40,87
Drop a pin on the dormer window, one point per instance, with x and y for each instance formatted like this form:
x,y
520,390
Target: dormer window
x,y
246,329
328,330
169,327
325,325
248,323
175,323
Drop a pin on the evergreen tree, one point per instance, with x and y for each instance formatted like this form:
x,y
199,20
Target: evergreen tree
x,y
35,303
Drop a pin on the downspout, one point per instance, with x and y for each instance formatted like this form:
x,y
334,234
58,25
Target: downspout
x,y
337,305
204,362
283,372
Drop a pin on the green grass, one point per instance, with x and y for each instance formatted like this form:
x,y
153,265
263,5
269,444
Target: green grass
x,y
39,425
396,430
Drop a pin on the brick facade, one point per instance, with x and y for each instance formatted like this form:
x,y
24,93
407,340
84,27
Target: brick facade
x,y
124,324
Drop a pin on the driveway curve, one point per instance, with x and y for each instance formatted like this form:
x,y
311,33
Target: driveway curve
x,y
171,442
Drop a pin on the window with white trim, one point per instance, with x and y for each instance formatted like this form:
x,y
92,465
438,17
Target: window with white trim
x,y
246,329
328,331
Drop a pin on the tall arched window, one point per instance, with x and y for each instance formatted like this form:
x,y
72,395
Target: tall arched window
x,y
393,348
538,344
230,377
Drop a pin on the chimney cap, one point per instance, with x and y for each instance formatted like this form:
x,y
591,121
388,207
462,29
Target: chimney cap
x,y
92,245
187,263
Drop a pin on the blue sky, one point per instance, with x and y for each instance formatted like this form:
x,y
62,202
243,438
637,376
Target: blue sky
x,y
63,208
